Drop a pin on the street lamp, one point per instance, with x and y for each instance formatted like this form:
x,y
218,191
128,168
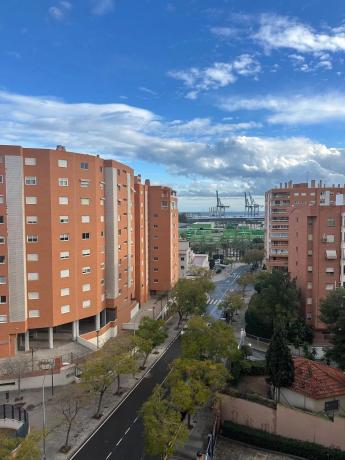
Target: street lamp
x,y
44,418
97,332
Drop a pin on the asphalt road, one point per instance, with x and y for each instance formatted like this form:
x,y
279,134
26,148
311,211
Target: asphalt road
x,y
121,437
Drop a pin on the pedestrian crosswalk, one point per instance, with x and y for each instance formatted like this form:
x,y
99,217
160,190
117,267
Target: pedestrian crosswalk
x,y
214,301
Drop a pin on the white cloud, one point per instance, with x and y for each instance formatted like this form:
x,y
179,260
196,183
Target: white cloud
x,y
297,109
224,32
206,152
219,75
101,7
284,32
60,10
147,90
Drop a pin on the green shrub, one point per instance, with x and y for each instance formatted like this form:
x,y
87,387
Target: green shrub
x,y
255,368
278,443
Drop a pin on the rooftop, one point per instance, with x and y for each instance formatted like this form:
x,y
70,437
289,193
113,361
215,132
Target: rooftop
x,y
316,380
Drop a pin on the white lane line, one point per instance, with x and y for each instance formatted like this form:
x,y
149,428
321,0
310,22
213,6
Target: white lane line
x,y
119,442
108,456
135,420
127,430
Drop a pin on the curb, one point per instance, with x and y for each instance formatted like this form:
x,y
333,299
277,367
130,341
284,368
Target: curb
x,y
103,421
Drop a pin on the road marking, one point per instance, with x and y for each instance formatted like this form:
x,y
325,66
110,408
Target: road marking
x,y
119,442
135,420
127,430
108,456
170,344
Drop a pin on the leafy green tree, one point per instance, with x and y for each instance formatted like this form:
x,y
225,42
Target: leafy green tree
x,y
97,375
253,257
245,280
150,334
205,338
190,296
28,447
230,305
120,354
332,310
192,383
279,363
164,429
299,334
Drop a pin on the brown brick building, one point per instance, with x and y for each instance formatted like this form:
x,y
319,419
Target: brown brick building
x,y
305,235
74,246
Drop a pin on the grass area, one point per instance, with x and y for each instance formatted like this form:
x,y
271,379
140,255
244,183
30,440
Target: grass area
x,y
7,433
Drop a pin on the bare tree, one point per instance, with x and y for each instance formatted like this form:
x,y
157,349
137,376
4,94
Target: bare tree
x,y
16,368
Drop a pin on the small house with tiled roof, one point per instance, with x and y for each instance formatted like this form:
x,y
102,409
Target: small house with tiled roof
x,y
316,388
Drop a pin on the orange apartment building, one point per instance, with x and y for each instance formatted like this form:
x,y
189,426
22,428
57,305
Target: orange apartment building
x,y
71,236
305,235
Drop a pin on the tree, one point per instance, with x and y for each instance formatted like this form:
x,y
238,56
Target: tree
x,y
70,401
121,357
27,448
207,339
16,368
245,280
253,257
149,335
279,362
164,429
97,375
332,310
192,383
190,296
231,304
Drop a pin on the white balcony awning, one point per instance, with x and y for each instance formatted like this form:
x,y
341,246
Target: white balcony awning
x,y
331,254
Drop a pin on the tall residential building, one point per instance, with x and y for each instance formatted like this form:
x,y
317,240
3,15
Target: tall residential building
x,y
305,235
70,232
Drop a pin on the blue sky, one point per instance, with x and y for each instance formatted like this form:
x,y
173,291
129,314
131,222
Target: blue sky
x,y
231,94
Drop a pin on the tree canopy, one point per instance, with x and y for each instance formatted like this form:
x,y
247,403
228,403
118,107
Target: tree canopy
x,y
150,334
231,304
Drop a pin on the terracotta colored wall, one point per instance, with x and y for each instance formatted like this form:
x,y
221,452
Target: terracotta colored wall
x,y
291,423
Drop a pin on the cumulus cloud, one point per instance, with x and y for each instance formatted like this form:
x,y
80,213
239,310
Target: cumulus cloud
x,y
284,32
223,155
297,109
60,10
218,75
101,7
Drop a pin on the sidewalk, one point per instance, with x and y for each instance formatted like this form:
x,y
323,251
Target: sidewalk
x,y
85,424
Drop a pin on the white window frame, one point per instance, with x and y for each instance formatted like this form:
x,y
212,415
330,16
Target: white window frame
x,y
85,219
33,276
86,287
86,270
63,200
62,163
64,237
30,161
34,313
65,309
31,219
32,238
64,273
63,182
64,255
64,292
32,257
31,200
32,295
30,180
86,252
64,219
85,201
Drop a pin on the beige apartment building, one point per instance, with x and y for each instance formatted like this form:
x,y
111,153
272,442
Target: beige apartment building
x,y
305,235
74,254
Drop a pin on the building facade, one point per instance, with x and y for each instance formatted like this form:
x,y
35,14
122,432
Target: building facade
x,y
305,234
70,234
189,261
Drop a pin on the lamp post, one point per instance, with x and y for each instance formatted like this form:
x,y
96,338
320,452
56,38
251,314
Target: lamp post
x,y
97,332
44,418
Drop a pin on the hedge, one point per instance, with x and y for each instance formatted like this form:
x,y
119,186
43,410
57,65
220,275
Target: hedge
x,y
278,443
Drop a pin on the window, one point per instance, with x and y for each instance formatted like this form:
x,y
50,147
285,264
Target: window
x,y
330,238
63,182
102,218
331,222
86,252
64,292
84,183
102,281
85,219
33,295
329,287
86,287
34,313
2,279
3,318
2,259
86,270
330,270
165,204
64,219
31,200
309,285
30,161
155,258
2,220
3,299
65,309
309,300
155,247
30,180
86,303
84,165
33,276
64,273
310,268
62,163
310,252
2,240
310,237
155,226
31,219
64,254
32,257
85,236
331,254
2,199
85,201
63,200
32,238
155,280
155,269
64,237
1,179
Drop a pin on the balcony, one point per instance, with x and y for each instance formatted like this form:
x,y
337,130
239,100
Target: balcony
x,y
331,254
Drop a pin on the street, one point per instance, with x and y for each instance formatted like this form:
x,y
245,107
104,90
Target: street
x,y
121,435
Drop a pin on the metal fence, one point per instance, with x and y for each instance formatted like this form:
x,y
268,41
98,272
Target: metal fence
x,y
12,412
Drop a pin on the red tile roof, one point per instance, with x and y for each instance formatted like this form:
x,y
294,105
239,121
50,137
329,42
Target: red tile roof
x,y
316,380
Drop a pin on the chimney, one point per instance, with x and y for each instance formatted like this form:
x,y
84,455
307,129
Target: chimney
x,y
281,185
61,148
312,184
